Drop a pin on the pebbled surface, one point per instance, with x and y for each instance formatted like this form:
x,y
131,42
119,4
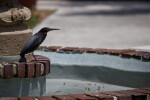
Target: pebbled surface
x,y
112,24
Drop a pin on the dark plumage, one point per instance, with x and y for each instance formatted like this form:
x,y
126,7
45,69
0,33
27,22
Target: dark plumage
x,y
34,42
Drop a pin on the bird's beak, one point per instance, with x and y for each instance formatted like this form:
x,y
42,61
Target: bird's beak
x,y
54,29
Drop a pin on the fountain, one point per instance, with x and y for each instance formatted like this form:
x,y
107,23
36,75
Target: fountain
x,y
74,70
18,79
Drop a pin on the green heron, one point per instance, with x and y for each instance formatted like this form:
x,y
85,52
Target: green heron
x,y
34,42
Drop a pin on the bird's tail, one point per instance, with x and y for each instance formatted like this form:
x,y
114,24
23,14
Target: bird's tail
x,y
23,58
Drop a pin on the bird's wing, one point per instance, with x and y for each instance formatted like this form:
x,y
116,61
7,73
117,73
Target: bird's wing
x,y
31,45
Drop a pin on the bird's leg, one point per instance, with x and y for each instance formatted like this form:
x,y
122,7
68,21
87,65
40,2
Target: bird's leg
x,y
35,58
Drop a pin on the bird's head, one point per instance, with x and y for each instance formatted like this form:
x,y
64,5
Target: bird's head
x,y
47,29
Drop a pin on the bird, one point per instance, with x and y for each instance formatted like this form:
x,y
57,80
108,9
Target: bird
x,y
34,42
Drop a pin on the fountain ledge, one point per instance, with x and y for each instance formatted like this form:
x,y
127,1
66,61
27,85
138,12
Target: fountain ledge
x,y
26,69
125,53
133,94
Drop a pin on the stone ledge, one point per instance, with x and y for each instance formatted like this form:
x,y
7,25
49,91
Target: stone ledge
x,y
134,94
13,42
26,70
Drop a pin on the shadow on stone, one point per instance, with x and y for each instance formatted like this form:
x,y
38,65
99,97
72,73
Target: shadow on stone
x,y
22,87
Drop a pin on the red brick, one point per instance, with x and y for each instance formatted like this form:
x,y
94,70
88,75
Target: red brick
x,y
101,96
114,52
21,70
45,98
145,55
29,70
39,58
8,71
82,97
69,48
84,49
46,67
91,51
142,53
118,52
54,48
135,95
105,51
87,50
136,54
9,98
141,91
120,96
26,98
110,51
64,97
129,53
146,88
37,69
45,61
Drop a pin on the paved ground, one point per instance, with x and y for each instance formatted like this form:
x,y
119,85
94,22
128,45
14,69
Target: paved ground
x,y
97,24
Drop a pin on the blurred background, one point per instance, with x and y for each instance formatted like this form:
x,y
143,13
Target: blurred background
x,y
96,23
